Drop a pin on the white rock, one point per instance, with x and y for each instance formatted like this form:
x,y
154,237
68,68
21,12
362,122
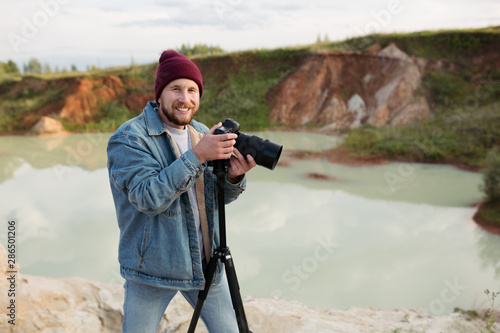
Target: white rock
x,y
357,107
77,305
392,51
47,125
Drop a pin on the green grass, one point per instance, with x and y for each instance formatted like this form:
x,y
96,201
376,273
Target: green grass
x,y
241,94
237,98
434,45
446,89
8,81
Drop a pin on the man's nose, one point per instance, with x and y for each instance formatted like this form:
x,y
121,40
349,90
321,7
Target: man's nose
x,y
183,96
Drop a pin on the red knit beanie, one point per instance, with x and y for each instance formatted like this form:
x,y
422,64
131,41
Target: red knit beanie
x,y
173,66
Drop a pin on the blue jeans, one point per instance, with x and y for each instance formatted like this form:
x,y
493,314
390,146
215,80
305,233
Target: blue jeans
x,y
144,307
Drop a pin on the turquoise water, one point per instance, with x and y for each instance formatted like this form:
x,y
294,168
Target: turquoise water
x,y
389,236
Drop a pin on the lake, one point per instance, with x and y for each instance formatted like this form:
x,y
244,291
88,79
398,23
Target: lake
x,y
399,235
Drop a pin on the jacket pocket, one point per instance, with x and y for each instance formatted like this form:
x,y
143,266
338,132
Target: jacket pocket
x,y
173,210
145,241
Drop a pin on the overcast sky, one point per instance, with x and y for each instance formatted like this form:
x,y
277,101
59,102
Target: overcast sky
x,y
112,33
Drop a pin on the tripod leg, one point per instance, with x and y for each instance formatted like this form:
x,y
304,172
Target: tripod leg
x,y
202,295
221,253
234,289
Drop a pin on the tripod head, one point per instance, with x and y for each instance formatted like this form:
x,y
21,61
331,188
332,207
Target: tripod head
x,y
220,166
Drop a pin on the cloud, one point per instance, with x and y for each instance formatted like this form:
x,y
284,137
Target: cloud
x,y
299,6
219,17
112,9
117,30
284,7
173,3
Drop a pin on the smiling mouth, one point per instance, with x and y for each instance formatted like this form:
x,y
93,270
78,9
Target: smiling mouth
x,y
183,108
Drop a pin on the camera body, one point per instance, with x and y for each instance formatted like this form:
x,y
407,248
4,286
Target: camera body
x,y
228,126
265,152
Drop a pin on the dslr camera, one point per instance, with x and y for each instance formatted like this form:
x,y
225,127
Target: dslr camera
x,y
265,152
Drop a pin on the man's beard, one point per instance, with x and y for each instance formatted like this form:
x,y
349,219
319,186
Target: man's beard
x,y
174,118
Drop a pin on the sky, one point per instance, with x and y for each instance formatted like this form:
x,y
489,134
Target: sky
x,y
118,33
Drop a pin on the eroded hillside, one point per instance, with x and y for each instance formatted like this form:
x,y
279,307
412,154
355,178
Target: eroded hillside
x,y
342,90
313,87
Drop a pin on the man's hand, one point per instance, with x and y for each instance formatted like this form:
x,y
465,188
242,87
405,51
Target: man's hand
x,y
239,166
215,146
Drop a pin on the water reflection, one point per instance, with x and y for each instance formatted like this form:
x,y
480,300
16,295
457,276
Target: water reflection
x,y
489,250
388,236
362,251
432,184
86,151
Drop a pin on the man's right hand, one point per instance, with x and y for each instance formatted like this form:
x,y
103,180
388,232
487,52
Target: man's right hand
x,y
215,146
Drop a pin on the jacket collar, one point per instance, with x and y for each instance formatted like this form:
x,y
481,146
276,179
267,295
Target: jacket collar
x,y
153,121
154,124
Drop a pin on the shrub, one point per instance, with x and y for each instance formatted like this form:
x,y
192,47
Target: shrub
x,y
491,176
113,115
446,89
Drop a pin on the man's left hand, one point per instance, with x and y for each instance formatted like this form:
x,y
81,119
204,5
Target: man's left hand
x,y
239,165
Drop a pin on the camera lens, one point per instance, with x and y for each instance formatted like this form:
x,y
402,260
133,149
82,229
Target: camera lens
x,y
265,152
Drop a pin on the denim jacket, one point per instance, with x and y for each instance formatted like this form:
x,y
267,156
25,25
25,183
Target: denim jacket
x,y
158,235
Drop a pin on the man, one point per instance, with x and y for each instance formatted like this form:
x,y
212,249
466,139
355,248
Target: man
x,y
165,200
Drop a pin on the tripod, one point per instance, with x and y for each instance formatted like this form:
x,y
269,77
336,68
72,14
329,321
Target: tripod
x,y
222,253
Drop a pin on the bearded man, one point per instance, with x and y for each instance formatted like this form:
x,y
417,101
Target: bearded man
x,y
165,199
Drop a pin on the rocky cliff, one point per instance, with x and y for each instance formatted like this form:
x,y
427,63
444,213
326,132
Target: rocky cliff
x,y
78,306
74,100
342,90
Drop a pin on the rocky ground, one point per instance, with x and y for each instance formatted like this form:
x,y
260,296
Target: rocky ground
x,y
78,305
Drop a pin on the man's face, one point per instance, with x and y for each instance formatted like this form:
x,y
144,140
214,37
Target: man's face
x,y
179,102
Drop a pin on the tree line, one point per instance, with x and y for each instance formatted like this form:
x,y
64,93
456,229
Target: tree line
x,y
8,67
199,49
34,66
